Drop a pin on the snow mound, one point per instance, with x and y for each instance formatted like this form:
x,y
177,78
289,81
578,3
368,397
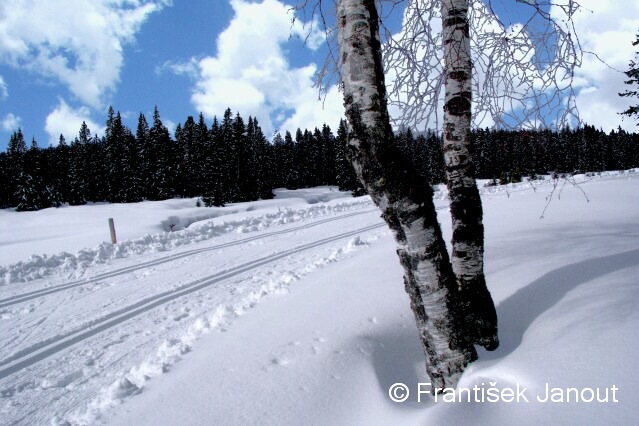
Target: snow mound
x,y
39,266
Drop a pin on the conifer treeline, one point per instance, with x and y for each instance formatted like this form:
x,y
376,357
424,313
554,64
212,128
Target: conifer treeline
x,y
232,161
506,156
229,161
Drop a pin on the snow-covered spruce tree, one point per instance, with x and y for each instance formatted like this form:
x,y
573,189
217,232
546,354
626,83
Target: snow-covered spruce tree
x,y
344,174
25,194
160,154
78,176
406,201
146,157
202,145
230,132
6,184
633,79
328,155
214,191
185,140
114,141
261,157
16,153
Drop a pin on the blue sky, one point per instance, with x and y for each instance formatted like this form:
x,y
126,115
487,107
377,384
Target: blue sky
x,y
62,62
183,56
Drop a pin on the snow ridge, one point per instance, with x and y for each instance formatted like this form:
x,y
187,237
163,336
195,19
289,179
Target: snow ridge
x,y
39,266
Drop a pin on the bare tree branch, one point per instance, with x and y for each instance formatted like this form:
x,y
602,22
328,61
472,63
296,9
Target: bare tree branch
x,y
523,73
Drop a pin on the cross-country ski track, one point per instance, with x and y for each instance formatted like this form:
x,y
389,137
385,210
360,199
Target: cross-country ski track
x,y
42,350
23,297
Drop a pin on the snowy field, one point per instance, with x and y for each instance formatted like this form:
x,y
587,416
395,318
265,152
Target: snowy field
x,y
292,311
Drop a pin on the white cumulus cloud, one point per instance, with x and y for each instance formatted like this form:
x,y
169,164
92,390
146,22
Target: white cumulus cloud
x,y
4,91
67,121
311,112
78,43
251,72
10,122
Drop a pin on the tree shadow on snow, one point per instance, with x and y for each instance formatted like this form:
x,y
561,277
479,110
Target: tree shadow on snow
x,y
518,311
397,357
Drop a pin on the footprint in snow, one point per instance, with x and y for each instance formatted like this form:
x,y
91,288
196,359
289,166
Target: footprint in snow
x,y
363,351
28,309
183,314
280,361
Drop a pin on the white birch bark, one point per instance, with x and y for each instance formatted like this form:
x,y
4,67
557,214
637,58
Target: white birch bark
x,y
406,202
465,203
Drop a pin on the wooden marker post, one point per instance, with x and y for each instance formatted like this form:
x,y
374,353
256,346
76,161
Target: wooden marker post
x,y
112,229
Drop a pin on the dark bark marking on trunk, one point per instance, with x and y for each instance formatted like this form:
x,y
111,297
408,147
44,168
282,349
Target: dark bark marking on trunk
x,y
460,75
459,105
454,21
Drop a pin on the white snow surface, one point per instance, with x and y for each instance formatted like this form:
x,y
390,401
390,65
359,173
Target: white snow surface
x,y
292,311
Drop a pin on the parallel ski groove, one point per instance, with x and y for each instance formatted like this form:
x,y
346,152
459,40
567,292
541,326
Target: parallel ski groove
x,y
42,350
13,300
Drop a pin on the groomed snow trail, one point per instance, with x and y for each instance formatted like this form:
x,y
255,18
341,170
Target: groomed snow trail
x,y
22,297
73,342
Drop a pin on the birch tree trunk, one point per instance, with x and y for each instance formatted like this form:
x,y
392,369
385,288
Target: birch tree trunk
x,y
465,204
405,200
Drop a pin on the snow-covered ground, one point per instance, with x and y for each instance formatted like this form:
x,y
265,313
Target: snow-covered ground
x,y
292,311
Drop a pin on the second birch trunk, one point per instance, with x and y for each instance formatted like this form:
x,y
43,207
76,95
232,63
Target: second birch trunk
x,y
465,204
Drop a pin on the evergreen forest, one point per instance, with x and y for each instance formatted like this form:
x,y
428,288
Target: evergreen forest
x,y
231,160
